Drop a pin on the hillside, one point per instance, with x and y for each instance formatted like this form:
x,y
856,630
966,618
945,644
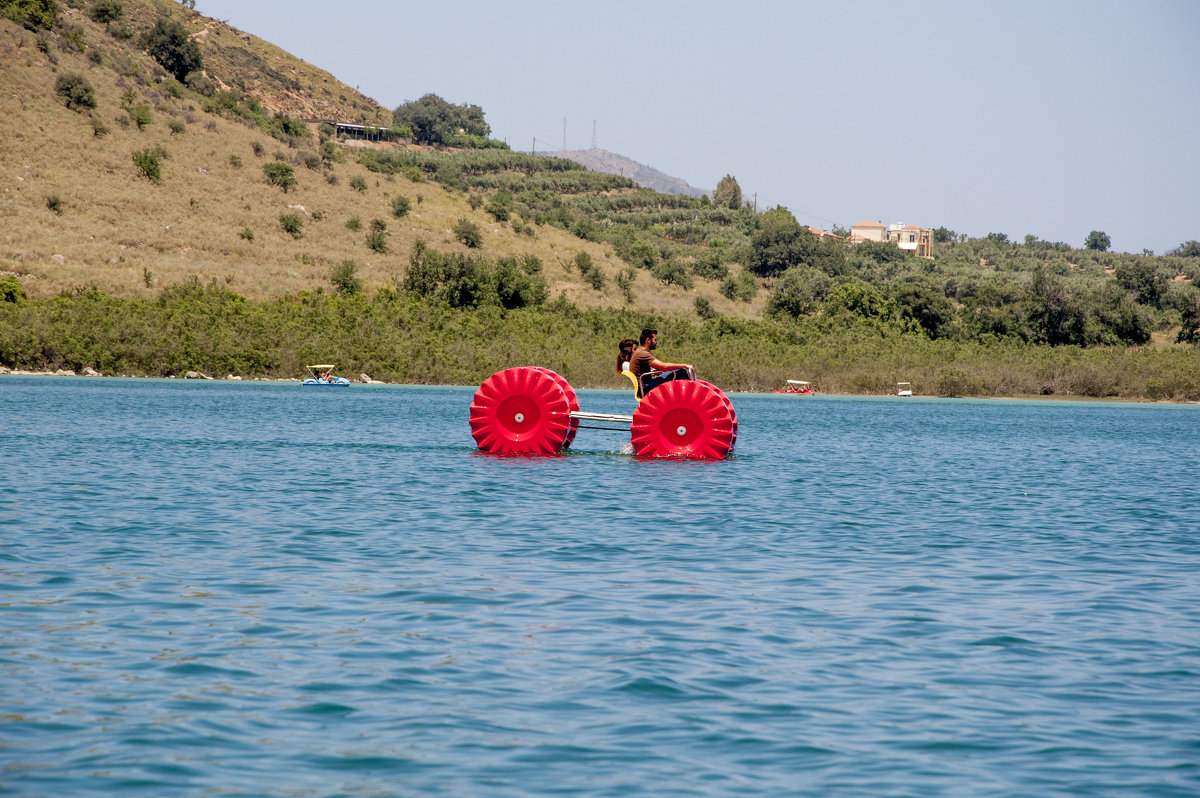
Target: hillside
x,y
610,163
78,212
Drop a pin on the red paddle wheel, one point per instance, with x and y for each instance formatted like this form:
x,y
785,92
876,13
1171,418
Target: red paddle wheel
x,y
683,418
522,411
729,405
572,402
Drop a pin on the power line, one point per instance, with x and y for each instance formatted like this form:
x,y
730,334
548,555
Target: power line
x,y
799,213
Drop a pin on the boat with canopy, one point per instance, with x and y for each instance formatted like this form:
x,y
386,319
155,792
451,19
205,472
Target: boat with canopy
x,y
322,374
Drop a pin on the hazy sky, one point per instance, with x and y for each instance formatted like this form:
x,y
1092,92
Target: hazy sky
x,y
1043,117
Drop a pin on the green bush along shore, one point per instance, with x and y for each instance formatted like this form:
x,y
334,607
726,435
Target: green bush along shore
x,y
398,335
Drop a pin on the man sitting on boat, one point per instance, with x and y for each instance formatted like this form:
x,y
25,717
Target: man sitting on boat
x,y
652,372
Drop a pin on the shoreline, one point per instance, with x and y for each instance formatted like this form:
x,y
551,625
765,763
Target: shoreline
x,y
201,377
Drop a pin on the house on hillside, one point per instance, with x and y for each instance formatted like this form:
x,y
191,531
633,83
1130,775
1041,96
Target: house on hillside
x,y
870,230
819,233
909,238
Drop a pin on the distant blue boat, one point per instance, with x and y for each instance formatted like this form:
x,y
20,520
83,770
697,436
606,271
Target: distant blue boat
x,y
322,374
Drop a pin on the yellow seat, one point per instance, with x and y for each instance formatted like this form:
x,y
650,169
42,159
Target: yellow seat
x,y
636,388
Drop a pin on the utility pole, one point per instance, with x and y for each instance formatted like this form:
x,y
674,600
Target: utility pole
x,y
534,152
593,134
756,202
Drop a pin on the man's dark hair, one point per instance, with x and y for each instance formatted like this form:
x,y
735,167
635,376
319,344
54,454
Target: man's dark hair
x,y
646,335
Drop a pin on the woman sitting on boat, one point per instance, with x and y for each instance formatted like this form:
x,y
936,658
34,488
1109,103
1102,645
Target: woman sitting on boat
x,y
624,353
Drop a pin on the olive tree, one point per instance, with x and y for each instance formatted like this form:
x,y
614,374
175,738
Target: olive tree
x,y
1098,240
168,44
728,193
433,120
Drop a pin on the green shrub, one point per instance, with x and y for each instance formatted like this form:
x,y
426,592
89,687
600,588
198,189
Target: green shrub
x,y
625,283
99,129
330,152
280,174
54,203
704,308
140,114
401,205
235,161
953,382
292,224
353,223
75,91
344,278
798,292
32,14
200,83
377,240
671,272
176,127
469,281
469,233
378,226
247,234
708,265
284,127
257,147
148,162
358,184
741,288
595,278
11,290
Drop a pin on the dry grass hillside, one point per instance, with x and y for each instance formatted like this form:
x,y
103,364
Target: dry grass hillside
x,y
75,210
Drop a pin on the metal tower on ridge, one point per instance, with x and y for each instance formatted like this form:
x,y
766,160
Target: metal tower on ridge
x,y
593,134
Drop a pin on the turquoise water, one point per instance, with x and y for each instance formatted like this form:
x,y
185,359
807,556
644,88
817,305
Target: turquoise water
x,y
241,589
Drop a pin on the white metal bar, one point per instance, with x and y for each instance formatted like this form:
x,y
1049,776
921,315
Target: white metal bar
x,y
613,419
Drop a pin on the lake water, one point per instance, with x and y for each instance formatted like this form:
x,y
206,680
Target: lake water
x,y
243,589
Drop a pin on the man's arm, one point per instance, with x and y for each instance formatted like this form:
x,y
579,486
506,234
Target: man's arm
x,y
659,365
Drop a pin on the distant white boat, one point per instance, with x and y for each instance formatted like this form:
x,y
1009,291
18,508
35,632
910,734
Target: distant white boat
x,y
797,386
904,389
